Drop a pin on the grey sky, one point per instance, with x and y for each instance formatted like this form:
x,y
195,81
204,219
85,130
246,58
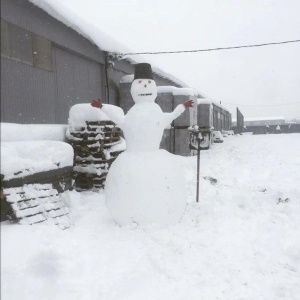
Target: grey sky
x,y
256,76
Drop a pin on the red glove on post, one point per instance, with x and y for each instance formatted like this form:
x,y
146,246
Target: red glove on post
x,y
97,103
189,103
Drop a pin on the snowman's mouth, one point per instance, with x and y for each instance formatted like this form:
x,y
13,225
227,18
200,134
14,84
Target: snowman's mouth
x,y
149,94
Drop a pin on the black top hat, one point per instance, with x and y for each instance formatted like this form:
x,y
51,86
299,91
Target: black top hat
x,y
143,71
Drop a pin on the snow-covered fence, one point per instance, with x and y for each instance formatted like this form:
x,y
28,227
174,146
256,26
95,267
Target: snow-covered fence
x,y
96,141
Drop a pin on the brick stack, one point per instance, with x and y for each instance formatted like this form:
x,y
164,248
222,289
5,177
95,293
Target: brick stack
x,y
95,148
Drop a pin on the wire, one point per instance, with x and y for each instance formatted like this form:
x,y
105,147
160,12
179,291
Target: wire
x,y
261,104
213,49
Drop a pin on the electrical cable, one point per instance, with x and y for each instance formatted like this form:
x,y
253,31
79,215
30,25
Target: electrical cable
x,y
213,49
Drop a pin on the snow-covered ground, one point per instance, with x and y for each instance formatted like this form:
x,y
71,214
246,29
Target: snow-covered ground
x,y
241,241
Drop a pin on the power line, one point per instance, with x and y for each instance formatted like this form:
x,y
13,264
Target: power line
x,y
213,49
261,104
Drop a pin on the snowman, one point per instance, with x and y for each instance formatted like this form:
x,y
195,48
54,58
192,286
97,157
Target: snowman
x,y
145,184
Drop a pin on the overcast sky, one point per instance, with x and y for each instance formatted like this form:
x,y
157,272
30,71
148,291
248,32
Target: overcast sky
x,y
255,79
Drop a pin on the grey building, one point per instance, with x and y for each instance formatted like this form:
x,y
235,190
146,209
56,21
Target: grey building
x,y
47,67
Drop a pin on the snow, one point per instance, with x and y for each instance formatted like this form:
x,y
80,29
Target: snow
x,y
165,75
62,13
29,132
265,118
210,101
281,118
203,101
143,127
146,187
120,146
177,91
127,79
79,114
239,242
22,158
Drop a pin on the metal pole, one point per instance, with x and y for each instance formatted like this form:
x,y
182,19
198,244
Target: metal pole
x,y
106,78
198,169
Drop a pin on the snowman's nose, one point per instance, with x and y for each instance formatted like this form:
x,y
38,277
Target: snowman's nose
x,y
145,85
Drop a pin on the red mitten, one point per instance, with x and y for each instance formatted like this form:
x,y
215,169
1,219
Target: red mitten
x,y
189,103
97,103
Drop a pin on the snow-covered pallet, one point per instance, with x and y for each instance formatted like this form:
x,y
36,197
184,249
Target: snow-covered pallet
x,y
61,179
92,152
36,203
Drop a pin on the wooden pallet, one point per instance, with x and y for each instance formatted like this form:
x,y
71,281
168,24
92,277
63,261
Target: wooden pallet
x,y
61,179
92,155
36,203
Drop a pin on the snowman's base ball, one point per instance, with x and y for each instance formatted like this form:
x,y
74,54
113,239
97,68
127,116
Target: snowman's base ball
x,y
145,188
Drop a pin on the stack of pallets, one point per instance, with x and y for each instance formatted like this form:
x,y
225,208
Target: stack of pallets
x,y
93,153
35,203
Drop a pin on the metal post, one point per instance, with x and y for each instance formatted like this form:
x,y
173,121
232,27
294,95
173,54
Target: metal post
x,y
198,169
106,78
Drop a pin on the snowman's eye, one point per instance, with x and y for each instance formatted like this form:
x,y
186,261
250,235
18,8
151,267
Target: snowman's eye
x,y
149,81
140,81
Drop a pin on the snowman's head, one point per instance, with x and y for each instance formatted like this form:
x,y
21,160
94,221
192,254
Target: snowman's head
x,y
143,90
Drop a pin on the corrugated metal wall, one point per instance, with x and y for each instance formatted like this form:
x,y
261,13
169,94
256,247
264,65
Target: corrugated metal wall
x,y
33,95
27,93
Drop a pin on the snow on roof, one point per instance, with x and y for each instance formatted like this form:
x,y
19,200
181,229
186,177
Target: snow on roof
x,y
219,105
62,13
177,91
262,119
162,74
127,78
204,101
210,101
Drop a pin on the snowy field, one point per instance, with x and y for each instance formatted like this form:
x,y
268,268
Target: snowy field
x,y
241,241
